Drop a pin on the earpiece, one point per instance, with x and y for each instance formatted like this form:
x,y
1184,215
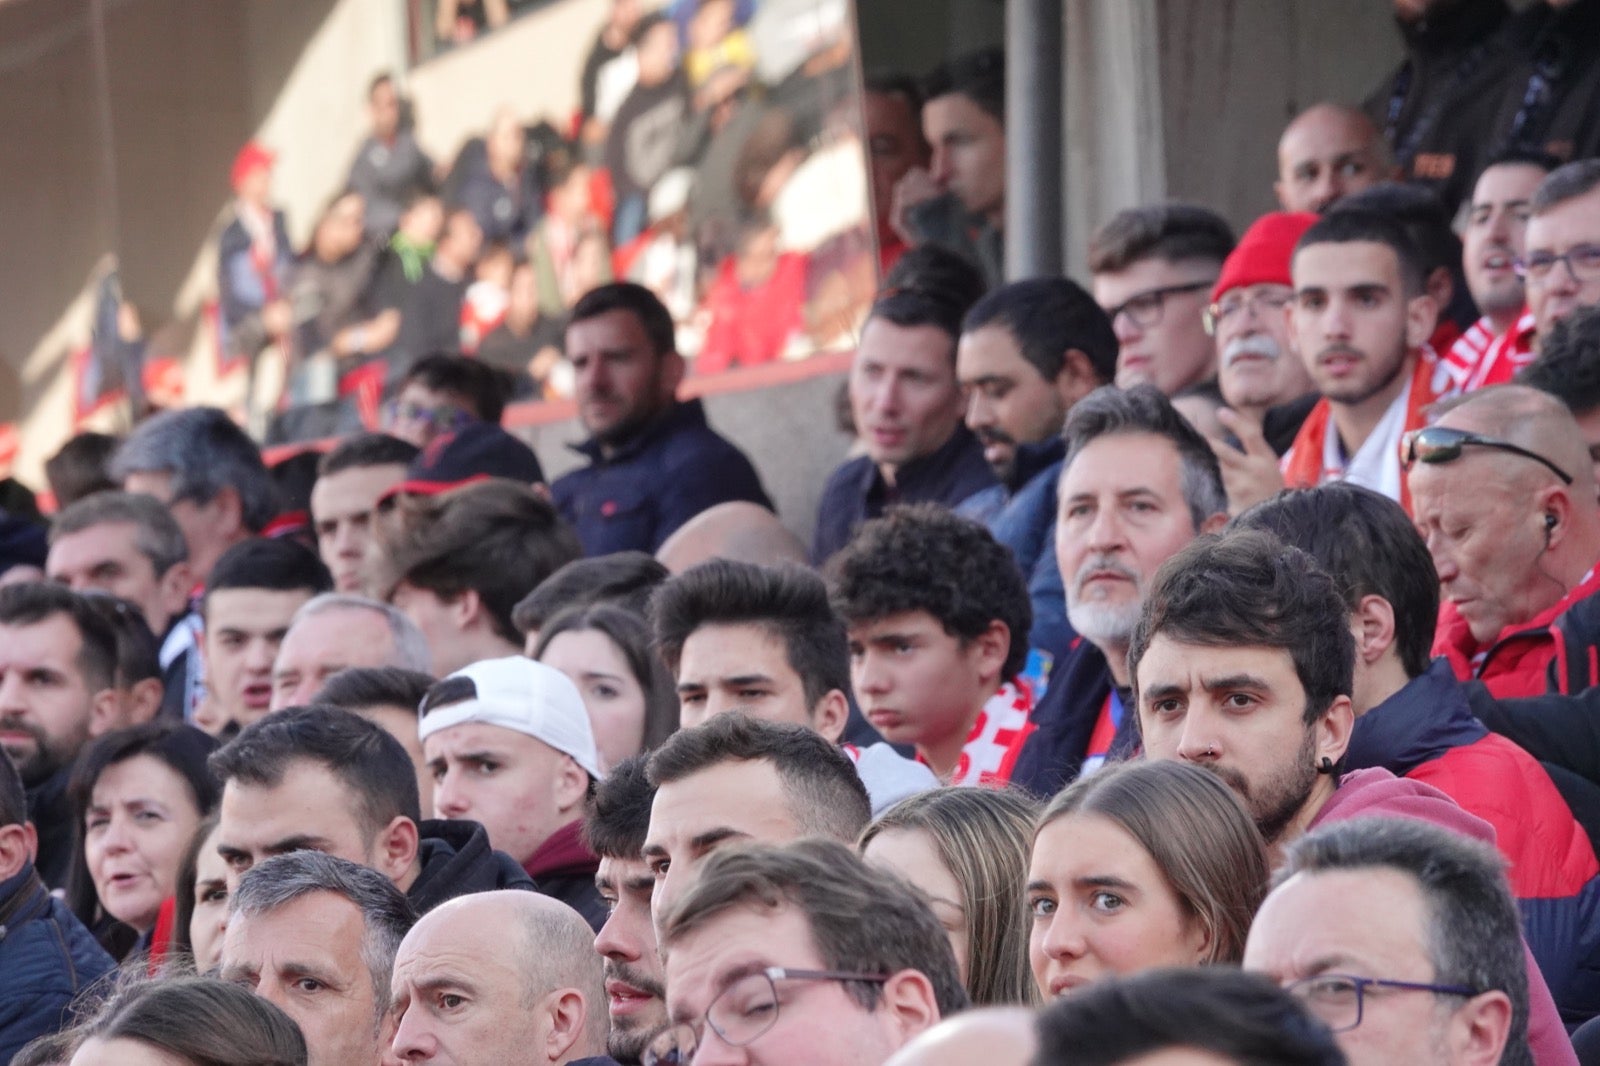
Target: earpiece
x,y
1550,523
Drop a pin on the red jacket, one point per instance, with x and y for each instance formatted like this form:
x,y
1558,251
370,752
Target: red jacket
x,y
1517,662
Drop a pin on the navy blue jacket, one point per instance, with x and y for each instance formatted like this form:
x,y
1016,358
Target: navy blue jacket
x,y
47,958
1022,516
671,471
1064,721
857,491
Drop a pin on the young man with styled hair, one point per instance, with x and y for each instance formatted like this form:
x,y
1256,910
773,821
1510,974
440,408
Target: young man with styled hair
x,y
766,642
460,567
1153,268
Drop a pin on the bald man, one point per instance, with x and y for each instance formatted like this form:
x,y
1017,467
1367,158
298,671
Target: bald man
x,y
1326,152
997,1036
741,531
1504,493
500,977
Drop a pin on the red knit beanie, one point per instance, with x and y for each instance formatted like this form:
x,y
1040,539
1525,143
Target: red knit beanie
x,y
1264,252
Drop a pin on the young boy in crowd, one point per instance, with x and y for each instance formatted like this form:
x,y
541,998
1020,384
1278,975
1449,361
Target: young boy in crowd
x,y
938,619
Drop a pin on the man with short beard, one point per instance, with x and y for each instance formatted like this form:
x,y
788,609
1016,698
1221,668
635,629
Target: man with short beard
x,y
636,990
1028,352
1137,484
1242,663
1361,317
655,462
58,661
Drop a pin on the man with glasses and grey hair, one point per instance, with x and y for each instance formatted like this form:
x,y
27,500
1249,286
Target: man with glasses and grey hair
x,y
1561,263
316,936
1503,492
1402,937
337,631
801,954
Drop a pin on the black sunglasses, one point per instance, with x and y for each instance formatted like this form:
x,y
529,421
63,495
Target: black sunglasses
x,y
1441,444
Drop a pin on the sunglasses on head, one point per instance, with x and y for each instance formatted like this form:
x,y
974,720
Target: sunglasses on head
x,y
1441,444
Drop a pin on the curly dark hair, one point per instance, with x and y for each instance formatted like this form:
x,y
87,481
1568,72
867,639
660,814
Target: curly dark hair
x,y
1249,589
924,558
1568,366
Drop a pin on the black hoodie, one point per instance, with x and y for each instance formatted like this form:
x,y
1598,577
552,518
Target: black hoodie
x,y
457,861
1435,109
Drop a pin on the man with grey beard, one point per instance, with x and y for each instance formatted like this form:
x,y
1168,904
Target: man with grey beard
x,y
1138,483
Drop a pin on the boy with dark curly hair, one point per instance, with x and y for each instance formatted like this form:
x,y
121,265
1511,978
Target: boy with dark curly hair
x,y
938,617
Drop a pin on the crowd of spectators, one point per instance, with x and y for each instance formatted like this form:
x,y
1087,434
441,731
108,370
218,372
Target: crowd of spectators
x,y
715,158
1198,666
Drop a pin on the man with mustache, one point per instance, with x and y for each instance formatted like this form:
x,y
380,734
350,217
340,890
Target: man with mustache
x,y
1028,352
655,462
1499,344
1360,318
1261,376
636,991
1137,484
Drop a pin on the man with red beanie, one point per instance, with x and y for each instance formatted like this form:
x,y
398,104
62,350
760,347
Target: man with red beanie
x,y
1261,376
253,260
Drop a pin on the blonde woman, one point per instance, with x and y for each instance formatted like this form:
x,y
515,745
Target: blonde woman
x,y
967,850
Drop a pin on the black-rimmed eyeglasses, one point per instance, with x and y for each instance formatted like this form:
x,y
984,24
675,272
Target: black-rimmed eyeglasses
x,y
1145,309
1441,444
741,1012
1338,999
